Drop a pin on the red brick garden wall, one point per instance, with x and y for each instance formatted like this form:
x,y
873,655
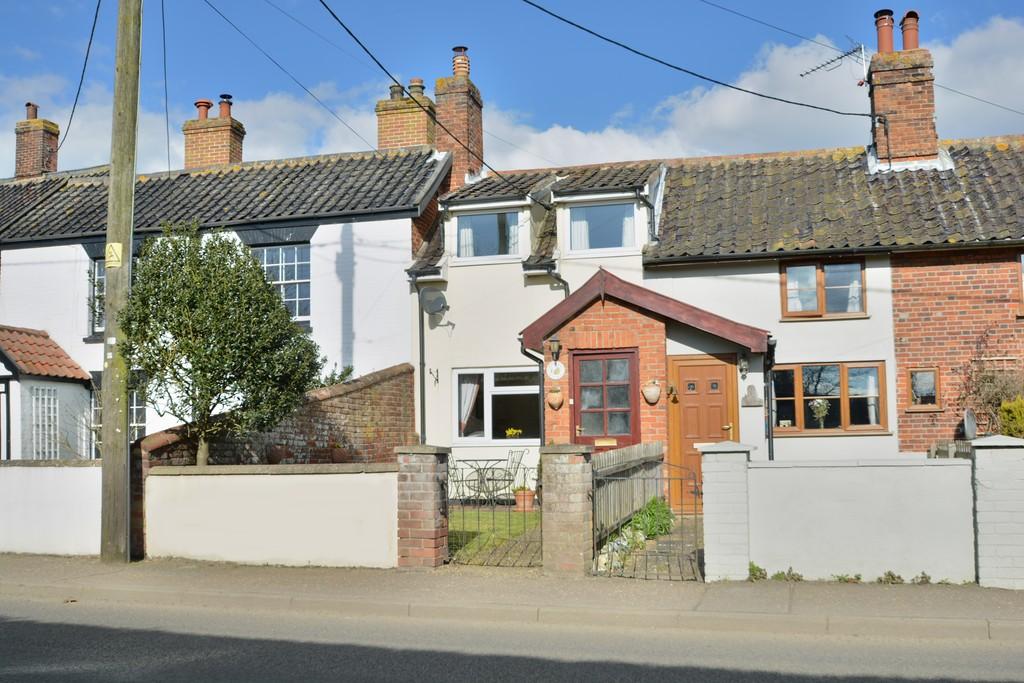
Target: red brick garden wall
x,y
611,325
951,308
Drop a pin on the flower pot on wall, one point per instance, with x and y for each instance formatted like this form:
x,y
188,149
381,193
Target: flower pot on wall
x,y
651,391
555,398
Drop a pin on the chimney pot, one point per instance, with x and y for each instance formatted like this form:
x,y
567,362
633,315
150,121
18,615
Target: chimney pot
x,y
31,110
883,25
396,91
203,106
225,106
909,25
460,61
416,87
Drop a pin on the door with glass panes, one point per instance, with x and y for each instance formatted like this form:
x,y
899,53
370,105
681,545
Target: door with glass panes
x,y
604,401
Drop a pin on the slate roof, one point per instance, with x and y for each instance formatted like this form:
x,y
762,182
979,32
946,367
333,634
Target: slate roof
x,y
592,178
74,205
826,200
34,353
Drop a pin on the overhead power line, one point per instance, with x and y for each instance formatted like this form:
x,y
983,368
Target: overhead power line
x,y
81,78
432,115
833,47
690,72
289,74
167,104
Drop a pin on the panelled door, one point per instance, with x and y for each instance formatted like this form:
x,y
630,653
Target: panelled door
x,y
605,398
704,409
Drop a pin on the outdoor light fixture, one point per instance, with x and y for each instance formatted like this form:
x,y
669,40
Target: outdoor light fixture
x,y
744,365
556,347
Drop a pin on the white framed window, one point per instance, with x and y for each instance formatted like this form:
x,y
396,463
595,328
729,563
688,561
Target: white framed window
x,y
602,227
136,419
496,406
45,417
479,235
287,268
97,289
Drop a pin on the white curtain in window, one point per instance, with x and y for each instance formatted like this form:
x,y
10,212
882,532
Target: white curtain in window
x,y
579,229
469,387
512,232
627,229
465,238
853,298
872,391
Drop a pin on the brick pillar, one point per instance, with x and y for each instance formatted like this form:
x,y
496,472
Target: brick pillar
x,y
999,511
568,519
422,506
726,511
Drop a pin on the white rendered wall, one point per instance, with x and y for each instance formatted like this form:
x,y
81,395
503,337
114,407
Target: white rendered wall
x,y
865,517
50,508
748,292
328,519
999,487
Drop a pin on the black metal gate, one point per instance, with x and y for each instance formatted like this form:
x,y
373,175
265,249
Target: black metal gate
x,y
647,523
494,514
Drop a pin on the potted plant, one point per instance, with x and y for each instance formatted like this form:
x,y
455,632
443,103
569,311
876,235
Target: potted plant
x,y
819,408
524,499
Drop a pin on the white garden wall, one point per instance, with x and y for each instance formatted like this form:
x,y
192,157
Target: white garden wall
x,y
320,515
828,518
50,507
999,487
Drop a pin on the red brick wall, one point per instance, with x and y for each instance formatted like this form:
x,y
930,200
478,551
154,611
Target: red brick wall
x,y
951,308
422,506
902,87
612,325
35,147
460,110
400,123
360,421
213,142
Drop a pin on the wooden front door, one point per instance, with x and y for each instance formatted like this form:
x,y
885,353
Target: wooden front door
x,y
704,409
605,399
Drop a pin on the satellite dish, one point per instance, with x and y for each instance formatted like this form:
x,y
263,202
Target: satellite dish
x,y
970,425
432,301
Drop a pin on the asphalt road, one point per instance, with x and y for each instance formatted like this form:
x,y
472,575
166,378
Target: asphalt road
x,y
42,641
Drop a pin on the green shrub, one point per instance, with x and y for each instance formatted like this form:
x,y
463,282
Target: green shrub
x,y
921,579
653,519
890,577
788,575
1011,417
846,578
755,573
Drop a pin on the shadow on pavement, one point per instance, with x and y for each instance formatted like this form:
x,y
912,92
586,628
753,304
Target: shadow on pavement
x,y
35,651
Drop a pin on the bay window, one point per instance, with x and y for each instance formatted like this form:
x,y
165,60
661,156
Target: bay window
x,y
828,397
497,405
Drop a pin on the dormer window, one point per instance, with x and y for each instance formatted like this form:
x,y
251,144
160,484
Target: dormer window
x,y
488,234
604,226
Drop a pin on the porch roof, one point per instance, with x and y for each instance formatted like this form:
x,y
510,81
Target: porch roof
x,y
605,285
34,353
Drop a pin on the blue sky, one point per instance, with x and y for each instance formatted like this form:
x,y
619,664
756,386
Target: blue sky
x,y
555,92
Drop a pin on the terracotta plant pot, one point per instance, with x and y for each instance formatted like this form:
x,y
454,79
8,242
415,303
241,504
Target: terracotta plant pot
x,y
555,398
277,453
524,501
340,455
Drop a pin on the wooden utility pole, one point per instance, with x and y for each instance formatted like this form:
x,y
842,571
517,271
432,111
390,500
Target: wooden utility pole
x,y
115,543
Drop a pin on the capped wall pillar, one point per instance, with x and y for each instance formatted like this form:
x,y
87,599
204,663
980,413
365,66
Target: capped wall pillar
x,y
568,519
422,506
726,507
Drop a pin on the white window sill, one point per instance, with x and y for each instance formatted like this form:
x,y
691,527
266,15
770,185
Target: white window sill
x,y
457,261
601,253
825,318
469,443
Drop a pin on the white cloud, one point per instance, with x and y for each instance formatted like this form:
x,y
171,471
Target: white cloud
x,y
694,121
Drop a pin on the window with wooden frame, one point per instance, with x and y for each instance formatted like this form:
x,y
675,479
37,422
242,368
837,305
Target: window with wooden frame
x,y
828,398
924,389
823,289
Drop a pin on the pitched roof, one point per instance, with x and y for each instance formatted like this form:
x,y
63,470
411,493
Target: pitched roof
x,y
567,180
603,284
74,205
33,353
827,200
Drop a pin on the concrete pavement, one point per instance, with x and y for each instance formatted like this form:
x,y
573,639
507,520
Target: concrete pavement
x,y
526,596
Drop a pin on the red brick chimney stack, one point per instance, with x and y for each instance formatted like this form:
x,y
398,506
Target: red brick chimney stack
x,y
903,92
401,122
460,109
212,142
35,144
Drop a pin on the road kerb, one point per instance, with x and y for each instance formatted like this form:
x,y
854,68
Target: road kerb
x,y
349,608
788,624
502,613
1005,630
569,616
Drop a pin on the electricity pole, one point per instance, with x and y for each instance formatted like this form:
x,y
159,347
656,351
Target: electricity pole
x,y
116,529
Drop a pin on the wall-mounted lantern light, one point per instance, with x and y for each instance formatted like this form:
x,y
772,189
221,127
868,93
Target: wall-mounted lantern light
x,y
556,347
744,365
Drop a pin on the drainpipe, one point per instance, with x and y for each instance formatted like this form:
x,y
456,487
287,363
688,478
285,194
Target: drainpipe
x,y
769,363
539,360
552,270
423,365
642,198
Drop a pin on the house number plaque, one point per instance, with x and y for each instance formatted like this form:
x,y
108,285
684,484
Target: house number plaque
x,y
555,370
